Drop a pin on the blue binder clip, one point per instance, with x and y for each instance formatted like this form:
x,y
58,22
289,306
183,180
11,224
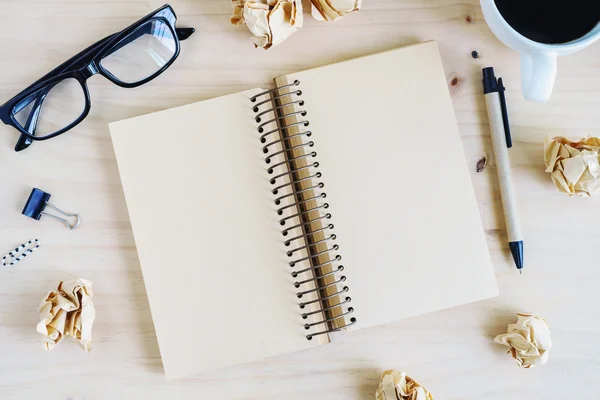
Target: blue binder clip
x,y
37,203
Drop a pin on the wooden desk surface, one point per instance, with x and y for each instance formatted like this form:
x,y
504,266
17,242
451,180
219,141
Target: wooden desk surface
x,y
451,352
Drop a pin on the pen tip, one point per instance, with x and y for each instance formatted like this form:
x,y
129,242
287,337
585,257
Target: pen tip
x,y
521,271
516,248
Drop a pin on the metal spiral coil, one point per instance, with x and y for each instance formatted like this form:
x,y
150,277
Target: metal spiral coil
x,y
268,159
261,126
304,224
314,267
289,103
274,179
352,322
266,147
289,241
339,269
284,220
279,98
282,209
344,290
287,161
294,181
320,310
319,185
335,247
291,252
263,138
332,284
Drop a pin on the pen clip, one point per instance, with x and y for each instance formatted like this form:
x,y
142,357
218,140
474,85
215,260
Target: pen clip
x,y
504,113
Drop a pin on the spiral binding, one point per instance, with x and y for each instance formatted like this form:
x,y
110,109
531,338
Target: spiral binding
x,y
277,125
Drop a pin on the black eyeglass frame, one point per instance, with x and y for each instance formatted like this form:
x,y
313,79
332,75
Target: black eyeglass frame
x,y
83,66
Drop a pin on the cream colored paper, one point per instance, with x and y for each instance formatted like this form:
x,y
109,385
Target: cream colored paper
x,y
574,166
207,235
270,21
528,339
206,227
395,385
68,311
331,10
405,213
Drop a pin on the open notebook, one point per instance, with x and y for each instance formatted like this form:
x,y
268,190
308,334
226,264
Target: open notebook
x,y
266,221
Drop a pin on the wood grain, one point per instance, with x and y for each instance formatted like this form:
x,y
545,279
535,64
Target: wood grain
x,y
451,352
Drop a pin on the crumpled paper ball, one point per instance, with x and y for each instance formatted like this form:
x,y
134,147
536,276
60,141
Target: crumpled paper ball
x,y
395,385
270,21
273,21
331,10
68,311
529,340
574,166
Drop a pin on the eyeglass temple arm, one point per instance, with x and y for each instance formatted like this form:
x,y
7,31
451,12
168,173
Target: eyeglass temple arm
x,y
34,115
32,119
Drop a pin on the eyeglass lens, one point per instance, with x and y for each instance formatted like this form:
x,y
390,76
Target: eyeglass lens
x,y
142,53
51,108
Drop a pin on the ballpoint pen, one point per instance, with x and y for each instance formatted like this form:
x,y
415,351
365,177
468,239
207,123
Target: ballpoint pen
x,y
501,141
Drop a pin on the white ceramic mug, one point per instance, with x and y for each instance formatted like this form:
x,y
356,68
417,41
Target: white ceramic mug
x,y
538,60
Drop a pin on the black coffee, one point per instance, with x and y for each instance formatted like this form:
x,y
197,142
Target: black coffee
x,y
551,21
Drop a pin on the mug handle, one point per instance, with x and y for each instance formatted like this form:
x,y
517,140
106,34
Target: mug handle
x,y
538,72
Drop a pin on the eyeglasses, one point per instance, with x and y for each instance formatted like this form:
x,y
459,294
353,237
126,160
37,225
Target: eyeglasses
x,y
60,100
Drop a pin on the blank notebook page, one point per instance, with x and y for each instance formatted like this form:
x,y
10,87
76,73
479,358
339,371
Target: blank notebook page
x,y
213,264
403,206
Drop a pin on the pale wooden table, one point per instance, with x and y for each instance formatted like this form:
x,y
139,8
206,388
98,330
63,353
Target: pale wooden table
x,y
451,352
